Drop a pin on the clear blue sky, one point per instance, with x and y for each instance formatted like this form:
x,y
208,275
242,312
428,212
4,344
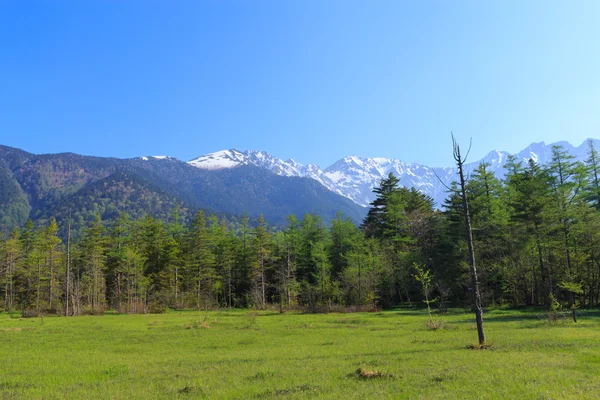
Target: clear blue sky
x,y
313,79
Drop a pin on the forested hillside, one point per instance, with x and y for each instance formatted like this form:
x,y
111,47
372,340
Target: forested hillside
x,y
67,185
536,236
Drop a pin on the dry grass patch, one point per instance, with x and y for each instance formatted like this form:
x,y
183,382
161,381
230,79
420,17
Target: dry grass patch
x,y
364,373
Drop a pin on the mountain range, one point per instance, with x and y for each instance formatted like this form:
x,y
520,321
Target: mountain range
x,y
229,183
355,177
79,187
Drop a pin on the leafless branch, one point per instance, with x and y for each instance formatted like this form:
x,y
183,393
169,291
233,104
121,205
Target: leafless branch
x,y
443,184
468,151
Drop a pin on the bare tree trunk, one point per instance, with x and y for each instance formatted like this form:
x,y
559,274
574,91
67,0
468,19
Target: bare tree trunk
x,y
474,283
68,277
288,295
199,288
534,286
129,307
359,281
6,291
229,279
11,290
262,275
118,295
176,286
51,279
39,281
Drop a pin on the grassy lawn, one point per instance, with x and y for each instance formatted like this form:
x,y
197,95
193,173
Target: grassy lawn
x,y
182,355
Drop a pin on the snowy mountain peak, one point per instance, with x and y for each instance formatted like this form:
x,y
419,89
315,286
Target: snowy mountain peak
x,y
220,160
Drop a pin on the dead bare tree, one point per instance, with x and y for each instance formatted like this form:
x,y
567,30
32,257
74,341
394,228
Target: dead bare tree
x,y
469,235
68,272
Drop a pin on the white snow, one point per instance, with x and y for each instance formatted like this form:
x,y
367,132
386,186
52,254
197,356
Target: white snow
x,y
335,176
500,157
533,156
219,160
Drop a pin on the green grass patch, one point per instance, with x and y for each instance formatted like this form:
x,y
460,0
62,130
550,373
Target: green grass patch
x,y
242,355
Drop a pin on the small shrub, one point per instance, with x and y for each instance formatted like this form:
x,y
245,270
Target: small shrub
x,y
435,325
156,307
198,325
30,313
93,311
51,311
252,314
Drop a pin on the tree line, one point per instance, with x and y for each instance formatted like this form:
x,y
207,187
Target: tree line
x,y
535,234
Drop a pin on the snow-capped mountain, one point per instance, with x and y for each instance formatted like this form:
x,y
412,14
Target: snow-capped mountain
x,y
233,158
355,177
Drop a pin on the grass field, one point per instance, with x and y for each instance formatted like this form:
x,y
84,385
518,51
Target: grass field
x,y
231,354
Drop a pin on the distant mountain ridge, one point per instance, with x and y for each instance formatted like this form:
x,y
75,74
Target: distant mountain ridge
x,y
228,182
39,187
355,177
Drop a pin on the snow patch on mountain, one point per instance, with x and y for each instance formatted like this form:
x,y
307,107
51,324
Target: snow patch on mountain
x,y
219,160
146,158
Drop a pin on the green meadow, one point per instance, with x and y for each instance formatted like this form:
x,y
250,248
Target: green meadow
x,y
267,355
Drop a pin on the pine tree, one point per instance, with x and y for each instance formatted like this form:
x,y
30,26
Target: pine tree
x,y
567,179
343,234
93,247
10,255
200,260
52,256
262,239
592,191
529,189
376,220
288,261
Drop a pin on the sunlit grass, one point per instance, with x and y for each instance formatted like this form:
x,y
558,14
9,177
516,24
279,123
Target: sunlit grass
x,y
363,355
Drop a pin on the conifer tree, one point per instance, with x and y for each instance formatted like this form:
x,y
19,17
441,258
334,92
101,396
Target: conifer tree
x,y
200,260
376,220
262,240
567,179
10,256
52,256
592,190
93,251
288,260
529,191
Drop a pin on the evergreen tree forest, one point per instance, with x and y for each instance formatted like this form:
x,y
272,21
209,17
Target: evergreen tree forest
x,y
536,236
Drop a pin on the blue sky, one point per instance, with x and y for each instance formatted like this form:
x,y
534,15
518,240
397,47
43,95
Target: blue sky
x,y
314,80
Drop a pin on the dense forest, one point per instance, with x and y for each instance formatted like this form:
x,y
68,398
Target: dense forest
x,y
536,237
